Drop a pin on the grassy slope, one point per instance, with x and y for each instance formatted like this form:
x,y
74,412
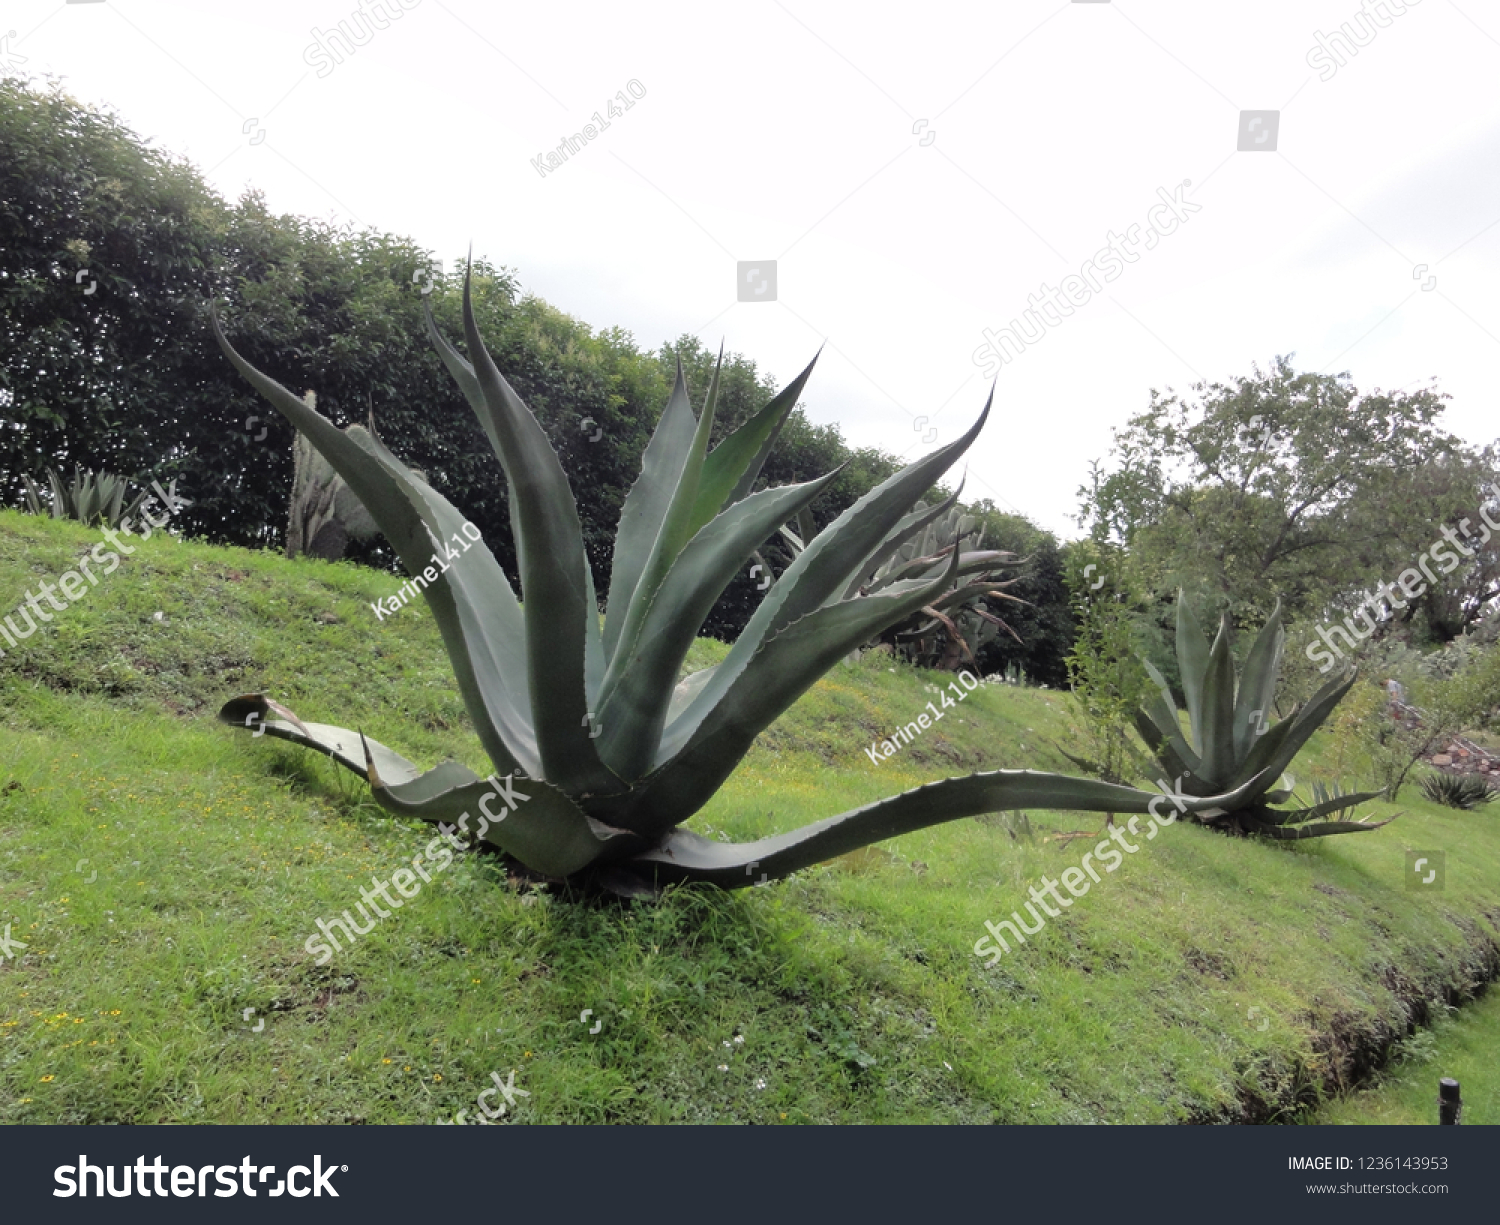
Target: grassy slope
x,y
1464,1046
1205,980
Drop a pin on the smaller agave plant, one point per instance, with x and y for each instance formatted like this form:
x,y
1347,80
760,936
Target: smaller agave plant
x,y
93,498
1463,791
1233,741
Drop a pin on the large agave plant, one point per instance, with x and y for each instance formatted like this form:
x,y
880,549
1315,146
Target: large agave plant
x,y
1235,747
589,721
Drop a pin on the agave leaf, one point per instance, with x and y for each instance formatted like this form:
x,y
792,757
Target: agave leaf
x,y
903,532
463,374
1162,748
554,576
1192,667
33,495
1216,739
1319,829
672,537
544,829
818,571
638,689
947,623
259,715
646,506
1258,684
685,855
463,599
1284,741
784,669
1267,752
1338,803
970,592
685,517
1161,711
910,569
732,468
996,621
979,561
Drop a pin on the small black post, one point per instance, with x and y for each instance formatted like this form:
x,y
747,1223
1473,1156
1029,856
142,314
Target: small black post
x,y
1449,1105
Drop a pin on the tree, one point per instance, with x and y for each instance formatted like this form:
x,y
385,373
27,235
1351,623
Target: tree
x,y
117,371
106,261
1104,666
1282,485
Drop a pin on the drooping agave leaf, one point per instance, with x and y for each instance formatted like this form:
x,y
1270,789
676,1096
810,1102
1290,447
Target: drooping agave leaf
x,y
259,715
688,856
473,603
968,593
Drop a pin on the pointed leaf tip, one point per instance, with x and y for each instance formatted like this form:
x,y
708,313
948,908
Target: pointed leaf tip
x,y
371,773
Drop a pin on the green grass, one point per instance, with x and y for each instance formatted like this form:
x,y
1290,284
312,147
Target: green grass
x,y
1206,980
1463,1044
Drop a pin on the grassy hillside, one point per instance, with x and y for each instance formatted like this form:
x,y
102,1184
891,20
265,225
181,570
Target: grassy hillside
x,y
1463,1044
165,871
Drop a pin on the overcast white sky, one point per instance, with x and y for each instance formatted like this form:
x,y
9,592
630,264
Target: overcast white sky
x,y
916,173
